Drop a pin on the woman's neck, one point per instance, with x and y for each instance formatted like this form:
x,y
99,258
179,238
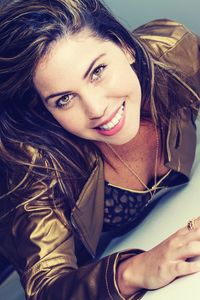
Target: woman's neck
x,y
144,141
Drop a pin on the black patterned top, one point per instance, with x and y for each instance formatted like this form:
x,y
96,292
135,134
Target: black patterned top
x,y
124,206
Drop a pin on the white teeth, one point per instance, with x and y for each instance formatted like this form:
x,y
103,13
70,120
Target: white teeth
x,y
111,125
118,116
104,127
114,121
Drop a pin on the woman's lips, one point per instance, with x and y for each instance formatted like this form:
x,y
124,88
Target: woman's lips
x,y
116,128
108,120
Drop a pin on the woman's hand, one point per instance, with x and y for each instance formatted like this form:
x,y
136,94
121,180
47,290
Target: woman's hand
x,y
162,264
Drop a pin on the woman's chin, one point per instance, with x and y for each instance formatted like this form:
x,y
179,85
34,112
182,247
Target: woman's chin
x,y
125,138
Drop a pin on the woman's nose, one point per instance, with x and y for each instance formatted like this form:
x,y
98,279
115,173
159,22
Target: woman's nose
x,y
95,115
95,106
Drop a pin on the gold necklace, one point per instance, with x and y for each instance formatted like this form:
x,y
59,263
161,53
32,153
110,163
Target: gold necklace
x,y
153,189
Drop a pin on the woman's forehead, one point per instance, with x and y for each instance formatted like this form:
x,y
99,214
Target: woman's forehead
x,y
81,44
70,57
75,50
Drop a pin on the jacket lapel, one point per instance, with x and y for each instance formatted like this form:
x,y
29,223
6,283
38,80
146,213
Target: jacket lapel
x,y
87,216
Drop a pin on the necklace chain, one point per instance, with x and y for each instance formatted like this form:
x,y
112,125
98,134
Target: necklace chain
x,y
151,190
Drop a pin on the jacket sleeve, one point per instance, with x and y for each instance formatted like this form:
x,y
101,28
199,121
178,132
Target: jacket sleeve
x,y
174,46
40,244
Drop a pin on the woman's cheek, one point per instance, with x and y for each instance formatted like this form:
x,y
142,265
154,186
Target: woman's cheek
x,y
123,81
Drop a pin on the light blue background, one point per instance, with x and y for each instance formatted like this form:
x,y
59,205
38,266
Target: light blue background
x,y
133,13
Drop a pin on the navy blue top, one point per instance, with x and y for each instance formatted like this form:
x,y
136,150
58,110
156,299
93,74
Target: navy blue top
x,y
124,206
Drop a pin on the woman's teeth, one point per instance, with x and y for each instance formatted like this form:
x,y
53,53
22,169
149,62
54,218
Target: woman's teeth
x,y
111,124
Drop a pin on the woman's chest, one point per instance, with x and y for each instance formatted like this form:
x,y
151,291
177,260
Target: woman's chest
x,y
133,175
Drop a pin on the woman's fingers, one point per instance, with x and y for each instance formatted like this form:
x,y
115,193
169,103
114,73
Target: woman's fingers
x,y
183,268
192,225
184,246
190,249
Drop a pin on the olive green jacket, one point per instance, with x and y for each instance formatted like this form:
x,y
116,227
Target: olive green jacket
x,y
35,234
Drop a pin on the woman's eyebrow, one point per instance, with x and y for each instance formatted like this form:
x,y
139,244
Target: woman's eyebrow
x,y
56,95
84,77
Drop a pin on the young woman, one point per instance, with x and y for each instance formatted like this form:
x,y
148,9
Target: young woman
x,y
94,123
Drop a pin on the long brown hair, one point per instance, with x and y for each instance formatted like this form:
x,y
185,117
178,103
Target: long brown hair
x,y
27,129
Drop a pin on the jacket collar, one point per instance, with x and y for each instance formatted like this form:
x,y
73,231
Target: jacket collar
x,y
181,144
87,215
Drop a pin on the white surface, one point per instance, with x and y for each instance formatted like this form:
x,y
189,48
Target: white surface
x,y
173,212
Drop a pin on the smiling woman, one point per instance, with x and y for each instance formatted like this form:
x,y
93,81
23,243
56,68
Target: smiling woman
x,y
94,122
93,95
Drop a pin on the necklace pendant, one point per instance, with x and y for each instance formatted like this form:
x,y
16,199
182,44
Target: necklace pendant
x,y
154,188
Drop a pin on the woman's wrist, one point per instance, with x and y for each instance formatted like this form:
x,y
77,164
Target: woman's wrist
x,y
129,278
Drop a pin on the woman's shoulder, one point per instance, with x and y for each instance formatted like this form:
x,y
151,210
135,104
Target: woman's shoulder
x,y
32,173
175,49
22,167
162,27
162,35
171,43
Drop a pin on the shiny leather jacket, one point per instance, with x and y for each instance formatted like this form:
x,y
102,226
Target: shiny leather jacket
x,y
35,235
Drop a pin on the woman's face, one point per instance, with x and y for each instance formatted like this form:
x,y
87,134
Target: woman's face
x,y
90,88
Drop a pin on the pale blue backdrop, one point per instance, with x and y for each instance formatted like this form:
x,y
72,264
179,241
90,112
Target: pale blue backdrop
x,y
133,13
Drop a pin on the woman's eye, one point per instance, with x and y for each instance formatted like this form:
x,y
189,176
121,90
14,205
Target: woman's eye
x,y
63,101
96,74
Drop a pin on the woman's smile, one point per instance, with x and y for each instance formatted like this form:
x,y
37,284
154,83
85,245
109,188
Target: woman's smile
x,y
115,124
